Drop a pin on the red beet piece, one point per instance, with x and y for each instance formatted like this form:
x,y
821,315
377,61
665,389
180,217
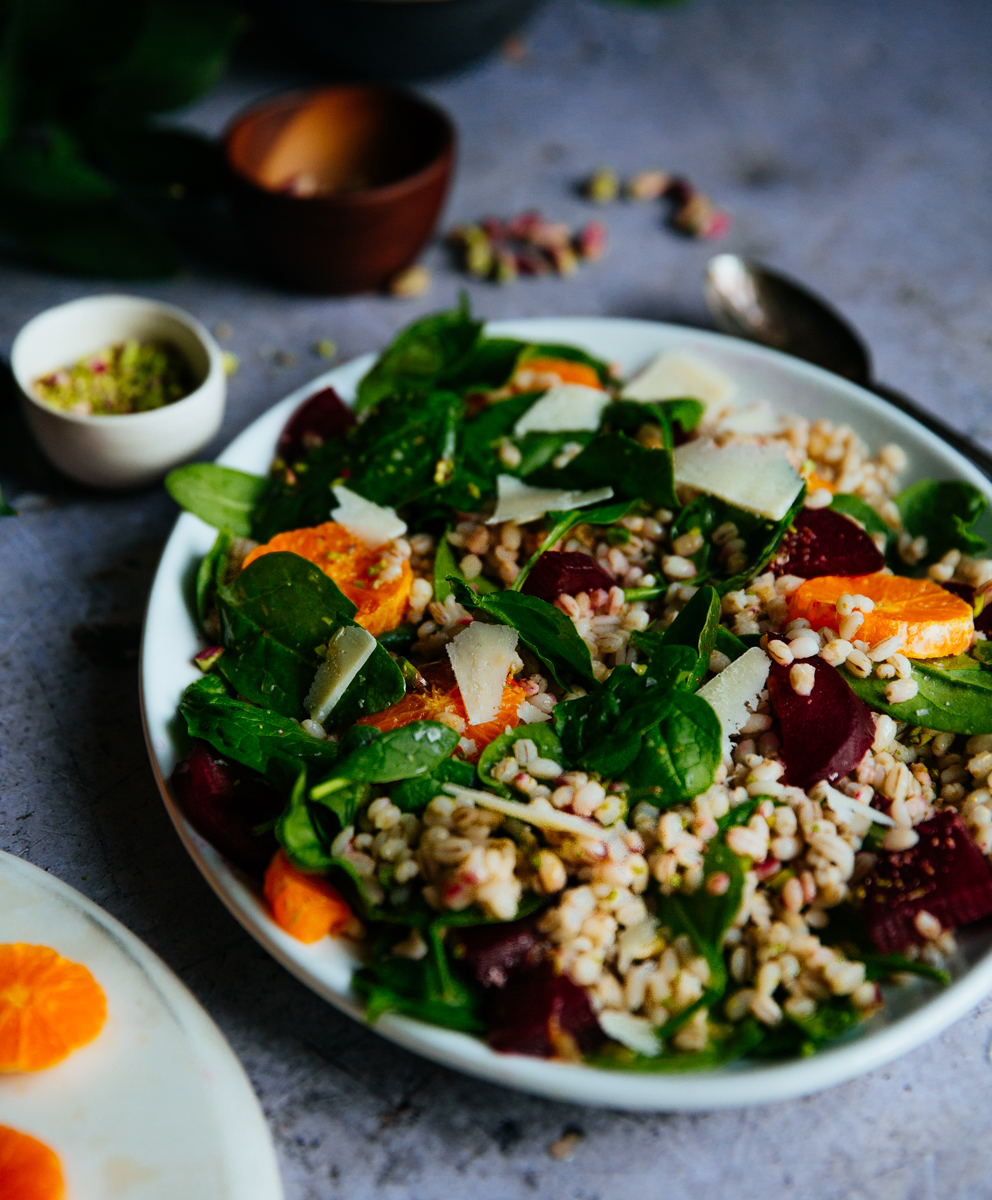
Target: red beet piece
x,y
983,622
556,572
825,734
225,803
824,542
492,953
323,417
944,874
536,1007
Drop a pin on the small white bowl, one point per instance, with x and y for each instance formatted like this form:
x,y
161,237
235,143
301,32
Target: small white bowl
x,y
129,449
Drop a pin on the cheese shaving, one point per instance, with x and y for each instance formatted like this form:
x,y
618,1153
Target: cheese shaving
x,y
518,501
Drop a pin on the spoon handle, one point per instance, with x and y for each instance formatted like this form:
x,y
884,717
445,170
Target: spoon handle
x,y
965,445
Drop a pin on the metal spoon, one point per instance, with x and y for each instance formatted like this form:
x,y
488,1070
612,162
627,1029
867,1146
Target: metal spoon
x,y
748,300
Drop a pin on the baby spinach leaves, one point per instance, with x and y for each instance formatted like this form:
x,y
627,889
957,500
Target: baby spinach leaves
x,y
218,495
680,755
413,795
853,506
245,733
405,753
543,629
541,734
955,694
943,513
696,626
211,574
633,472
416,360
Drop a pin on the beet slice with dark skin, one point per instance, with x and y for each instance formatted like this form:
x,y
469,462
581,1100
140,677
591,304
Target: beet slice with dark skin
x,y
944,874
491,954
535,1008
825,734
824,542
983,622
226,803
556,572
323,417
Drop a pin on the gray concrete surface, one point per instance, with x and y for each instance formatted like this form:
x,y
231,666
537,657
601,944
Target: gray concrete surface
x,y
851,142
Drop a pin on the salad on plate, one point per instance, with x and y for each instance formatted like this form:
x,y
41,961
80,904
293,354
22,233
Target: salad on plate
x,y
612,720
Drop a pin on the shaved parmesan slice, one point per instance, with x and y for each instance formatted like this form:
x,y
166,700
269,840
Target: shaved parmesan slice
x,y
538,812
733,694
347,653
757,418
518,501
757,478
370,523
530,714
636,1033
674,375
480,658
565,407
846,806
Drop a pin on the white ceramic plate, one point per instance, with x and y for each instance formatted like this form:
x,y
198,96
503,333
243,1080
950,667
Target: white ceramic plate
x,y
156,1107
913,1014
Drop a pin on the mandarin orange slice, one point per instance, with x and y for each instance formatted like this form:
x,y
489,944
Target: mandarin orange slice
x,y
49,1007
566,371
29,1170
442,696
306,906
934,622
353,567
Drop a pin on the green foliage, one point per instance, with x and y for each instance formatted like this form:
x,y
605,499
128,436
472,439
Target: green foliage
x,y
680,755
955,695
562,522
696,626
221,496
633,472
944,514
853,506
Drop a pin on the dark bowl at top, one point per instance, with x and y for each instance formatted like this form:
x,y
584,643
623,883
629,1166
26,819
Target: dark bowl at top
x,y
340,187
399,39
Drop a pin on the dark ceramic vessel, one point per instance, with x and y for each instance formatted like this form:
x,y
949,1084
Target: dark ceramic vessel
x,y
401,39
340,188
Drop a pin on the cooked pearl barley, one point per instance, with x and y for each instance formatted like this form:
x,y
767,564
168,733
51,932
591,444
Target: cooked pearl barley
x,y
544,768
805,646
850,625
803,678
901,690
676,567
900,839
687,545
927,925
859,664
780,653
818,498
887,647
836,652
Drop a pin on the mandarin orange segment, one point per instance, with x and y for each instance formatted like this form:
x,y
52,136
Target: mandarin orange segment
x,y
566,371
354,568
49,1007
814,482
29,1170
935,622
307,907
443,697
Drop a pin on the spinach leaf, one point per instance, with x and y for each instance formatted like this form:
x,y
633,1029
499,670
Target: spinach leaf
x,y
853,506
211,573
727,1044
304,843
377,685
405,753
883,966
684,412
982,651
541,734
543,629
445,565
424,988
538,449
805,1035
398,640
740,814
633,472
729,643
420,355
628,416
696,627
562,522
245,733
218,495
943,513
955,694
490,364
413,795
680,755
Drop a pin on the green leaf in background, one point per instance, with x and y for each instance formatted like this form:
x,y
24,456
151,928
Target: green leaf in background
x,y
541,734
221,496
570,354
729,643
943,513
211,574
297,833
853,506
405,753
489,365
245,733
955,695
420,355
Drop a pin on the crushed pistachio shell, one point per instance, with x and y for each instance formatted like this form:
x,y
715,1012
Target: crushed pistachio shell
x,y
128,377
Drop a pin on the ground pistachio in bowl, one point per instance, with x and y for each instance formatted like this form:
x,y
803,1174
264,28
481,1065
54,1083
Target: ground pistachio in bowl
x,y
128,377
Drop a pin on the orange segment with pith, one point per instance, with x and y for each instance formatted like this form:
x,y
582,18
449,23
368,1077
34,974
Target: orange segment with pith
x,y
442,698
29,1170
306,906
534,373
935,622
49,1007
354,567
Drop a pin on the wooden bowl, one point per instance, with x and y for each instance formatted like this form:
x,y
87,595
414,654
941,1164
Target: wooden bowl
x,y
340,187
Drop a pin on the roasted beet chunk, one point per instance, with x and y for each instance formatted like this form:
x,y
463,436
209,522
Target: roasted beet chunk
x,y
983,619
226,803
316,421
556,572
944,874
490,954
823,542
542,1013
825,734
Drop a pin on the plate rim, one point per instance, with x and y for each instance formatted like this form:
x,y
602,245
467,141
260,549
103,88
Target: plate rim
x,y
245,1147
720,1088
